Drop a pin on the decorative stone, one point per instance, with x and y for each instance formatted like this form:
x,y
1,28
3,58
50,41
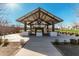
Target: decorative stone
x,y
24,34
53,33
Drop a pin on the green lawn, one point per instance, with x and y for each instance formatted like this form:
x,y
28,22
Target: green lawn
x,y
69,31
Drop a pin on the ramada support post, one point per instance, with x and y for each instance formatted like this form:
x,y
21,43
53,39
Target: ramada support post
x,y
30,28
53,29
25,26
47,29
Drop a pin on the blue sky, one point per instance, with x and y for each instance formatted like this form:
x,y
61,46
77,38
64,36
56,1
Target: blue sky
x,y
65,11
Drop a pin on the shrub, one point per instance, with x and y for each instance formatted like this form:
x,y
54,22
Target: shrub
x,y
1,41
73,41
56,42
22,41
6,42
71,33
78,41
76,34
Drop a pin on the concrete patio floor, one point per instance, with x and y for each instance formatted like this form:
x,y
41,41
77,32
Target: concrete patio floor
x,y
38,46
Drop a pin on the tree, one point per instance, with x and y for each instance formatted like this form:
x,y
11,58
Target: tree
x,y
3,19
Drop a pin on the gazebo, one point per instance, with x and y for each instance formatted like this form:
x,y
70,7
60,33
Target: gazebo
x,y
39,21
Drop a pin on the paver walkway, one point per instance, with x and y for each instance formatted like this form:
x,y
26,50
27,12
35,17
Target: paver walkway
x,y
38,46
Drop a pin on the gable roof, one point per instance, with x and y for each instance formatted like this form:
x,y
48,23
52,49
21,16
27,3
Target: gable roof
x,y
39,13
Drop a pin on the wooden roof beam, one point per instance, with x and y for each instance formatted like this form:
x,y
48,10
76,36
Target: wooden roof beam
x,y
26,16
50,16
